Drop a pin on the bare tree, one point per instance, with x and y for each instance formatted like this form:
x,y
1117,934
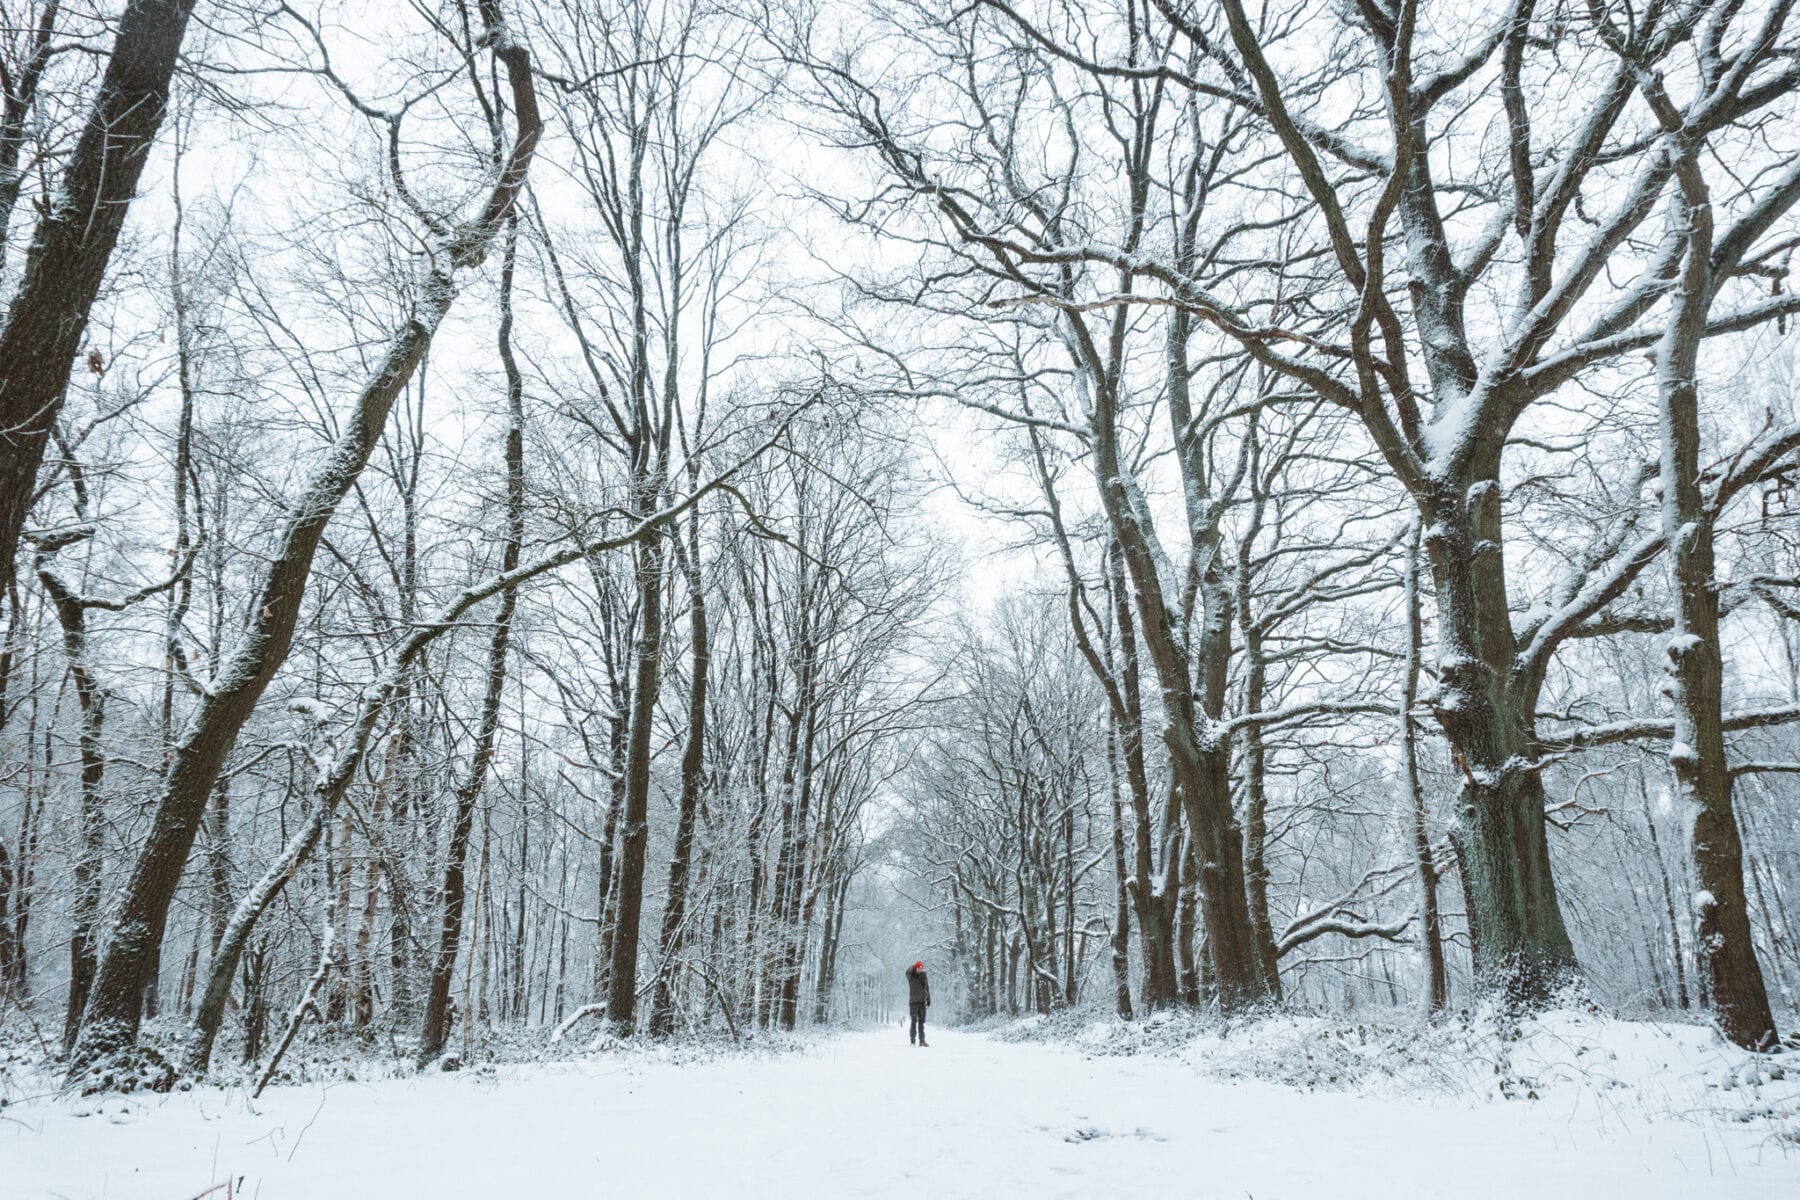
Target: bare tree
x,y
74,238
113,1013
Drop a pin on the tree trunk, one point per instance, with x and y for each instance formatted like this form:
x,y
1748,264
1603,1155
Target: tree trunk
x,y
1201,771
1256,824
1154,895
71,247
12,954
1437,982
435,1031
1521,945
85,871
1670,912
1187,934
362,960
621,997
1725,955
1121,931
693,767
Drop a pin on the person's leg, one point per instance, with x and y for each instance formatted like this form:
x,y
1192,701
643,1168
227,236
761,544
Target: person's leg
x,y
912,1028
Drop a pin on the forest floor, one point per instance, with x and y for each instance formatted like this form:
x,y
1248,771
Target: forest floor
x,y
1625,1109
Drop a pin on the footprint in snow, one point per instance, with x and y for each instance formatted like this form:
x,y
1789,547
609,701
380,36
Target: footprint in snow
x,y
1093,1133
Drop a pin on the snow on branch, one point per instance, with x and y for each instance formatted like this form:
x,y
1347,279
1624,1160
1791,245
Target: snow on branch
x,y
1646,728
1339,917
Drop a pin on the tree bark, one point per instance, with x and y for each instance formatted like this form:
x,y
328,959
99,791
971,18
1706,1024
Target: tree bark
x,y
71,247
1522,949
1437,981
693,768
1725,954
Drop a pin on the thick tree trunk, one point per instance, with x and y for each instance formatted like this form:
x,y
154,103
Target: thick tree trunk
x,y
1521,945
71,247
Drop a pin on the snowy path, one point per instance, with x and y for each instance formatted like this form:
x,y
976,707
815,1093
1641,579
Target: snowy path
x,y
865,1115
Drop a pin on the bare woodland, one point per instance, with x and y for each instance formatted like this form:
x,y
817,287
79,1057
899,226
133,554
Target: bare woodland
x,y
534,517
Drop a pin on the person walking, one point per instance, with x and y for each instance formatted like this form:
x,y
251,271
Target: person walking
x,y
918,999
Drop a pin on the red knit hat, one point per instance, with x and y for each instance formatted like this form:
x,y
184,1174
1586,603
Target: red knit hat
x,y
919,966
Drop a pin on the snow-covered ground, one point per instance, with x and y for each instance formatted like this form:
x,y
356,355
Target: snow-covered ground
x,y
866,1115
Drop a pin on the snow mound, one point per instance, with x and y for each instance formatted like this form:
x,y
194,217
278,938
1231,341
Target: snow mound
x,y
1582,1062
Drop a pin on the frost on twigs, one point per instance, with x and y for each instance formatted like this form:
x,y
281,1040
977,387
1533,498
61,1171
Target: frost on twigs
x,y
308,708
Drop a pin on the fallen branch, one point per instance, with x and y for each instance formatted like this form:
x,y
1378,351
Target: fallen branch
x,y
309,1002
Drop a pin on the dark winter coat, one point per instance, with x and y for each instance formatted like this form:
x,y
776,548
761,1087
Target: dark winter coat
x,y
918,988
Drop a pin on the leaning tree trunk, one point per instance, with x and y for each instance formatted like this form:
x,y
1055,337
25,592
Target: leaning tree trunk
x,y
72,246
1724,953
389,691
114,1013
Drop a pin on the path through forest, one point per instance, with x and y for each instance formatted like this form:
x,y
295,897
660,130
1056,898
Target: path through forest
x,y
866,1115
